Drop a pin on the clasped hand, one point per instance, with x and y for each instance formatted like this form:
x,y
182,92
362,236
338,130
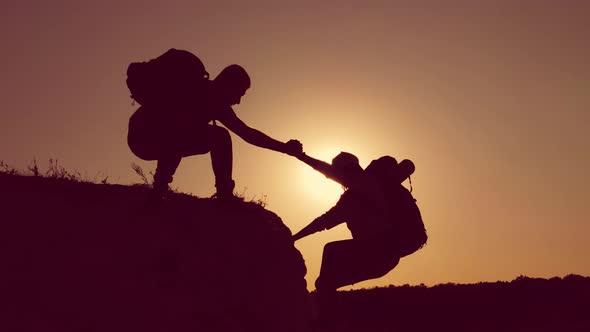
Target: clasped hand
x,y
293,147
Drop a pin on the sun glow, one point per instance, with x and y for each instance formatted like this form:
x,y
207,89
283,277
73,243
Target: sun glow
x,y
316,186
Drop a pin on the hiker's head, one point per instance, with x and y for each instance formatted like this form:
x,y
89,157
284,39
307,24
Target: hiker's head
x,y
347,162
388,169
232,83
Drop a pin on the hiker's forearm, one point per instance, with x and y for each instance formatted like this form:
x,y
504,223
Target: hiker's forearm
x,y
260,139
319,165
341,176
314,227
327,220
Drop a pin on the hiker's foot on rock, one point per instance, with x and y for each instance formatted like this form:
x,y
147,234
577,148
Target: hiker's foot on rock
x,y
228,198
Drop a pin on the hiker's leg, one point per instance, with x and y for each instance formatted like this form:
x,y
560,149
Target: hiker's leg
x,y
335,258
222,161
216,140
164,171
151,137
145,137
350,261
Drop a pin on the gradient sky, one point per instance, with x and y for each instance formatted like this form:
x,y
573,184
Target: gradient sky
x,y
489,99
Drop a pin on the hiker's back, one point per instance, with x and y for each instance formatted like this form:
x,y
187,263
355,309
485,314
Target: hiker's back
x,y
399,219
364,216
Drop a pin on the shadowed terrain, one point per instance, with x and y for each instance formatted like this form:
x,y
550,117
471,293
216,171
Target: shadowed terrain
x,y
524,304
88,257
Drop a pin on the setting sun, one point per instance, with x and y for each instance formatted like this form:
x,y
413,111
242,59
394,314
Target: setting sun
x,y
319,187
315,184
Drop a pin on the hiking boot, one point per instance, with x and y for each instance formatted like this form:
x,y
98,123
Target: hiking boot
x,y
225,190
227,198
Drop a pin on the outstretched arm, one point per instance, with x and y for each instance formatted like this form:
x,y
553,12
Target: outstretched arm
x,y
314,227
344,178
319,165
258,138
330,219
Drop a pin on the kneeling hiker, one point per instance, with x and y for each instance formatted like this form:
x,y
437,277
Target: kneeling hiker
x,y
379,211
178,101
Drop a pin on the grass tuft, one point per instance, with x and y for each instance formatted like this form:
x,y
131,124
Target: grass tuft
x,y
139,171
56,171
7,169
262,200
34,168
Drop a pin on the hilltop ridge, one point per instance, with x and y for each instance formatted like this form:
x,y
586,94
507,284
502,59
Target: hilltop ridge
x,y
80,256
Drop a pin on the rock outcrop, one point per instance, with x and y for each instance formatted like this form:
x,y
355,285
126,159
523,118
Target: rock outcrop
x,y
90,257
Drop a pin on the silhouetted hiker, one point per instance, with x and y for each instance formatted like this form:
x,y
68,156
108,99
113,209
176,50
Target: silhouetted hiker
x,y
178,102
380,212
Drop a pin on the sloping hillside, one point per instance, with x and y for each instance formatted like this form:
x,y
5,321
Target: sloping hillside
x,y
90,257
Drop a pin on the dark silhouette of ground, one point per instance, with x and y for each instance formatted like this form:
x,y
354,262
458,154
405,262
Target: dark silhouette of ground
x,y
87,257
524,304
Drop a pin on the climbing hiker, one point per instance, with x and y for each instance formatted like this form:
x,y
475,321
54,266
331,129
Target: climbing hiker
x,y
380,212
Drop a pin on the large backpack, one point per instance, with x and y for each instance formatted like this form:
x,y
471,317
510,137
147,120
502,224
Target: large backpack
x,y
407,220
176,75
405,215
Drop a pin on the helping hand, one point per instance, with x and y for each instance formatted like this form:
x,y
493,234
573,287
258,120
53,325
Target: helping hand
x,y
293,147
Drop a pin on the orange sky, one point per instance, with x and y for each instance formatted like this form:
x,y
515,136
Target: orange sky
x,y
488,98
